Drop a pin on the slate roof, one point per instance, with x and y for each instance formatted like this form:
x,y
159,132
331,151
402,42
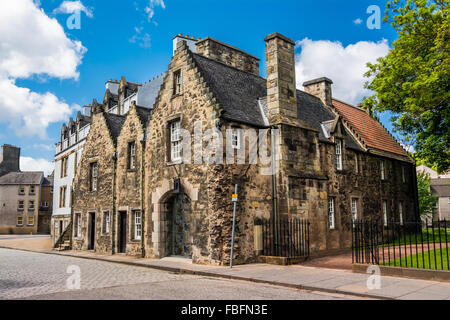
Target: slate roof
x,y
115,123
372,133
148,92
239,91
441,187
143,114
18,178
48,181
83,119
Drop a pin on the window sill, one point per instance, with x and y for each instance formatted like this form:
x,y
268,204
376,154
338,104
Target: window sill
x,y
20,210
136,241
176,95
131,170
174,163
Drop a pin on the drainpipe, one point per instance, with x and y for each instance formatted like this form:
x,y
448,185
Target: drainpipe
x,y
71,215
142,196
274,184
113,230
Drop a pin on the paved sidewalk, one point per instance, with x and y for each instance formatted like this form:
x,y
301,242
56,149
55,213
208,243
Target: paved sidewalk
x,y
297,276
27,242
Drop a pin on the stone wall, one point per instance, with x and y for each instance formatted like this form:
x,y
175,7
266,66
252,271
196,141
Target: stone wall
x,y
98,148
227,54
128,181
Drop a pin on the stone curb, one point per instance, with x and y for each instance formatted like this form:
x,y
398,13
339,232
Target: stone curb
x,y
213,275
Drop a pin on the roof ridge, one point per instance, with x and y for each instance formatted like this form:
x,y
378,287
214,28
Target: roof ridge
x,y
349,104
227,65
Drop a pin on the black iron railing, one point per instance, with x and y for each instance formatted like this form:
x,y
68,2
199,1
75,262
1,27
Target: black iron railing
x,y
423,244
288,237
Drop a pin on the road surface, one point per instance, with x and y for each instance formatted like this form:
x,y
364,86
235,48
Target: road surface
x,y
30,275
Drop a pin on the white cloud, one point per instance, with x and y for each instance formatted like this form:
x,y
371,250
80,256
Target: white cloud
x,y
32,44
74,6
150,8
344,65
142,39
357,21
31,164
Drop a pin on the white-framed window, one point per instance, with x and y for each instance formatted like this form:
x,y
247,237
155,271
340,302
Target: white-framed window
x,y
339,154
30,220
32,189
20,221
21,190
78,225
177,82
131,155
448,200
106,226
175,141
385,217
137,225
235,138
62,196
356,163
331,214
400,212
354,210
20,205
94,176
44,204
382,170
31,205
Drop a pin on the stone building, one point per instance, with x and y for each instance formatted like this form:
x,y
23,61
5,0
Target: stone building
x,y
158,181
25,197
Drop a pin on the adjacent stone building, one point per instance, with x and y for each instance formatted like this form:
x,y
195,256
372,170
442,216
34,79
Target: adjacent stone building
x,y
25,197
157,180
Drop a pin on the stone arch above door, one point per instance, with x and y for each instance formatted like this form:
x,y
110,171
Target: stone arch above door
x,y
159,197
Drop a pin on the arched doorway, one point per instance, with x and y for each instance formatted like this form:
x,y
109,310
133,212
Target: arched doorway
x,y
179,225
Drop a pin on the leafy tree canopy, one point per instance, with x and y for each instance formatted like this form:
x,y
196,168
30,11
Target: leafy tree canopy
x,y
427,200
413,79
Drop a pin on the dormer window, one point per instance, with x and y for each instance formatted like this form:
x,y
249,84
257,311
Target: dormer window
x,y
339,154
177,82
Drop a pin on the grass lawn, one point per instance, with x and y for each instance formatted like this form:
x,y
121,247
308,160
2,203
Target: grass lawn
x,y
423,260
440,235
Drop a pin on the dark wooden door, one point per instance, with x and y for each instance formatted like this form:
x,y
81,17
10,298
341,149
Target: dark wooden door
x,y
92,234
123,232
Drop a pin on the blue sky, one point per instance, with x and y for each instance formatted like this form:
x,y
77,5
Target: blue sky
x,y
134,39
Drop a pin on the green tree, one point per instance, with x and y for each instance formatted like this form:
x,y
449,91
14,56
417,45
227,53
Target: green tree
x,y
413,80
427,200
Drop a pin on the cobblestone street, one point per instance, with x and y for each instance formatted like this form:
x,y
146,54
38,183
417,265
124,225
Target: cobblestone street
x,y
28,275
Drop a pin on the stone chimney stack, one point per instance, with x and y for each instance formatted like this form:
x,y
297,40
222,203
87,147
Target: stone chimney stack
x,y
9,159
281,87
321,88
